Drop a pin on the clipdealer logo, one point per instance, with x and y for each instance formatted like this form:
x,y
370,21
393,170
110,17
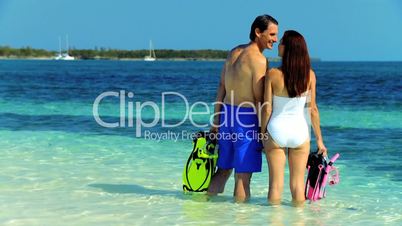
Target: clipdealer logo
x,y
131,115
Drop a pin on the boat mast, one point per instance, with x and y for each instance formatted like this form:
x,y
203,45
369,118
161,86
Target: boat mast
x,y
150,48
59,46
67,44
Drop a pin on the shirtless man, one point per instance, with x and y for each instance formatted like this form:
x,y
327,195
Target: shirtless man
x,y
239,96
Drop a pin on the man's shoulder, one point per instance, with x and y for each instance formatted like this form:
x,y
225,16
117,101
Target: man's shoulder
x,y
257,59
240,47
237,50
255,56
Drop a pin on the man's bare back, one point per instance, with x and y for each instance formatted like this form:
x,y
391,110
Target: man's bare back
x,y
241,78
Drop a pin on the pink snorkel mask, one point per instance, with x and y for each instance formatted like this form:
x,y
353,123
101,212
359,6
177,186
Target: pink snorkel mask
x,y
333,176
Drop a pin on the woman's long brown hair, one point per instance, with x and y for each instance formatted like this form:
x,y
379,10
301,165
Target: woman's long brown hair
x,y
295,63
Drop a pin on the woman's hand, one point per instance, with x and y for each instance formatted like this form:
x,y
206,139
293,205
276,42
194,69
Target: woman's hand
x,y
321,148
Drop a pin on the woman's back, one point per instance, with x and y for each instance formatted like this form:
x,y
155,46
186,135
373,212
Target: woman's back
x,y
288,124
278,83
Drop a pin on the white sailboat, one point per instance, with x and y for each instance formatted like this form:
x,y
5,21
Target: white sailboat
x,y
64,56
59,56
151,56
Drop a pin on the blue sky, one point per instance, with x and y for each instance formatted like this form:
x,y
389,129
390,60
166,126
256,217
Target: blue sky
x,y
349,30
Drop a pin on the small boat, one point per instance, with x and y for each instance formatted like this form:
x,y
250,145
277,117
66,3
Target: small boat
x,y
151,56
63,56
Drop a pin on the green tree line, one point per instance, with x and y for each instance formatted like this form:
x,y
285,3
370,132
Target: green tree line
x,y
103,53
139,54
6,51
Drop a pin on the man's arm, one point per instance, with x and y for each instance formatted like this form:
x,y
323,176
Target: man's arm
x,y
221,92
259,71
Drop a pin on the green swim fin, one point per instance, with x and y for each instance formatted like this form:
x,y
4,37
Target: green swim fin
x,y
201,164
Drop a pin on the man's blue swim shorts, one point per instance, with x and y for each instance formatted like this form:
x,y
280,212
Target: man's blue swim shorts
x,y
239,147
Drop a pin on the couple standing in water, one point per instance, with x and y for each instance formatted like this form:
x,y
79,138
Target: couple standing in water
x,y
256,99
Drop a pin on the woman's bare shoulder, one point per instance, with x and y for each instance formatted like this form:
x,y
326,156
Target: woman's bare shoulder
x,y
274,72
312,75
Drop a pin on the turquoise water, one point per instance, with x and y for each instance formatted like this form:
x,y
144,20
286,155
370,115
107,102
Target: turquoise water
x,y
59,167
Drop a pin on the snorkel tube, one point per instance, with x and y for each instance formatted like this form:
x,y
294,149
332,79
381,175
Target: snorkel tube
x,y
327,169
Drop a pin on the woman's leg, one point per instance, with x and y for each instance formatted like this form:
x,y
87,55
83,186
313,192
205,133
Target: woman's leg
x,y
276,159
297,169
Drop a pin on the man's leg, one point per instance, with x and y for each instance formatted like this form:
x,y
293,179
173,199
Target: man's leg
x,y
247,161
218,181
242,187
225,158
247,156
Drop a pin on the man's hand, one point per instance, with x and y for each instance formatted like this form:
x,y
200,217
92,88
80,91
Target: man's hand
x,y
213,129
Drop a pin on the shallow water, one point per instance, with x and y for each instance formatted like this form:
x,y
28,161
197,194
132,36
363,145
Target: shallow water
x,y
60,167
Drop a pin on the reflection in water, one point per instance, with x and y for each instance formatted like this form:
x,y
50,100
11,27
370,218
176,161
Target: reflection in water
x,y
285,215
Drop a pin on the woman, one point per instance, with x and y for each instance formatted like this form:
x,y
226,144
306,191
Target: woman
x,y
286,92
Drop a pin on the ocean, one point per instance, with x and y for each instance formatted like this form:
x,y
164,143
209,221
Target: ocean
x,y
59,166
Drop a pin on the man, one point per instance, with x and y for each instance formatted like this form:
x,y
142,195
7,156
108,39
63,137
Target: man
x,y
239,96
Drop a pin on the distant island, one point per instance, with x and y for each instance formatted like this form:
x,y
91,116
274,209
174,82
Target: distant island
x,y
7,52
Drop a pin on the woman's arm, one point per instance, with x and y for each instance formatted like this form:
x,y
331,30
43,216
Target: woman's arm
x,y
315,116
267,104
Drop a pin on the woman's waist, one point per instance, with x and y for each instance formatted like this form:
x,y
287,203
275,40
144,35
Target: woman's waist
x,y
289,114
275,124
288,119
